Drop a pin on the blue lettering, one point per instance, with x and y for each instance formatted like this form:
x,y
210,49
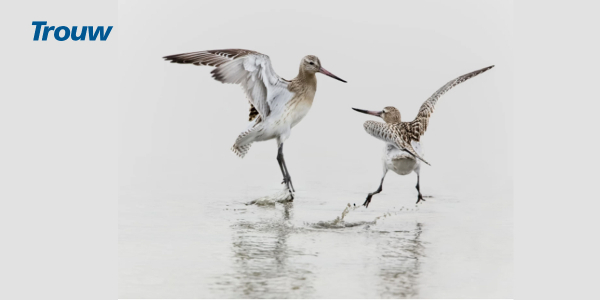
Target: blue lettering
x,y
62,33
57,33
46,30
80,37
38,27
100,30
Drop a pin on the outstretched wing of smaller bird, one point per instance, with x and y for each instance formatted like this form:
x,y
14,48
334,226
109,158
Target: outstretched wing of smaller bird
x,y
416,128
250,69
391,133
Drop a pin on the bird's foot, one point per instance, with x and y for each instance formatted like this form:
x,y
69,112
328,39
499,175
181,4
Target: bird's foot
x,y
291,189
288,182
420,198
367,202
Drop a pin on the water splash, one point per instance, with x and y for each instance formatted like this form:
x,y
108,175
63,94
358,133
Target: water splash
x,y
339,221
396,212
282,196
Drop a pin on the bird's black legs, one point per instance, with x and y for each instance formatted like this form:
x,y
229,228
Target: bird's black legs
x,y
379,189
286,175
280,162
418,189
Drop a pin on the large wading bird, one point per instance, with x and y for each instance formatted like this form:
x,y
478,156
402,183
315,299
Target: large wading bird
x,y
276,104
403,149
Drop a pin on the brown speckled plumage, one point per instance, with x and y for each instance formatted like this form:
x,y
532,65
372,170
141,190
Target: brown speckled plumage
x,y
418,126
402,134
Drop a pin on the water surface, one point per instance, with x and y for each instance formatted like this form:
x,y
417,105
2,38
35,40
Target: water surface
x,y
209,243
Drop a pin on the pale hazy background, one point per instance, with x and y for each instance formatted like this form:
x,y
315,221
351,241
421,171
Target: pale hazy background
x,y
177,118
177,125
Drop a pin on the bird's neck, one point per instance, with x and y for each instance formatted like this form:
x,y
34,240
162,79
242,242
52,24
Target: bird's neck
x,y
304,86
307,79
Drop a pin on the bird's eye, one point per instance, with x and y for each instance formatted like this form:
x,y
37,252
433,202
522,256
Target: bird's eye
x,y
312,63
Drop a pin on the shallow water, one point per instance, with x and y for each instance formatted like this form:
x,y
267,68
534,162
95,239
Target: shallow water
x,y
181,242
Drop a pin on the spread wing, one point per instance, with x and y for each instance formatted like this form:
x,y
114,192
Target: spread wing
x,y
250,69
416,128
392,134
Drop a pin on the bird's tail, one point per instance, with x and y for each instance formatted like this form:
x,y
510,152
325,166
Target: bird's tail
x,y
413,153
241,150
244,140
410,150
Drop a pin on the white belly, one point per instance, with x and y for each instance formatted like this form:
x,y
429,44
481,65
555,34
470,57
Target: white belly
x,y
402,166
398,161
279,124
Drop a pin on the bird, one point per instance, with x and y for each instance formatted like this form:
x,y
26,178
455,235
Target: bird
x,y
403,153
276,104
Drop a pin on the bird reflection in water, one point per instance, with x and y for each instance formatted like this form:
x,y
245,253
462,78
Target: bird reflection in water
x,y
264,260
272,259
401,252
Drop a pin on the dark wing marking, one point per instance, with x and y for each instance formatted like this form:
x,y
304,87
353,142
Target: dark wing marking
x,y
416,128
213,58
250,69
393,134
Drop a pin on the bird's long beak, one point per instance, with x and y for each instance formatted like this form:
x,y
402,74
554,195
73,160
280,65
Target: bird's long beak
x,y
330,74
369,112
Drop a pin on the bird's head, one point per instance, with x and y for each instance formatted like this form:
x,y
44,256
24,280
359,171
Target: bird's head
x,y
311,65
389,114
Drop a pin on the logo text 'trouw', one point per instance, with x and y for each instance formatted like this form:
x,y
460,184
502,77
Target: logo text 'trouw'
x,y
62,33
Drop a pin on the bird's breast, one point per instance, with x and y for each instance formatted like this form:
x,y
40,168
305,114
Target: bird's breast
x,y
298,108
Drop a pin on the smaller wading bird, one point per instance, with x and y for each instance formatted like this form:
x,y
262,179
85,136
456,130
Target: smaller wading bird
x,y
276,104
403,150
